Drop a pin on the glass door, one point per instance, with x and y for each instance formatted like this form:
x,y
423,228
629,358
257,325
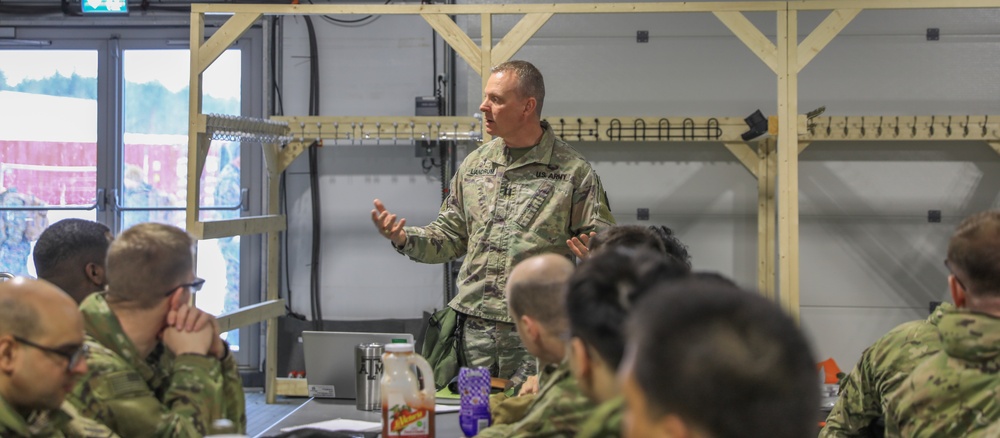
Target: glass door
x,y
48,146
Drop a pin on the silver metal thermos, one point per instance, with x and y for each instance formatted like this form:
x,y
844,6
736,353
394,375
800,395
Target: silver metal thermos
x,y
368,365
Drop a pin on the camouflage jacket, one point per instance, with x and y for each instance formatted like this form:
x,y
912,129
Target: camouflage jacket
x,y
882,367
557,410
954,392
605,421
499,213
65,422
160,396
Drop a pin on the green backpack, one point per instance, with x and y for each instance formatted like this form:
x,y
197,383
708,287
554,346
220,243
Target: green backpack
x,y
442,341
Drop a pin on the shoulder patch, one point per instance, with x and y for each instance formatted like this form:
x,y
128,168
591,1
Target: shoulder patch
x,y
121,384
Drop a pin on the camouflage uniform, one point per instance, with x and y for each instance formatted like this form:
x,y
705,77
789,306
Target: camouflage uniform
x,y
18,228
64,422
956,391
498,213
881,369
605,421
161,396
507,408
557,410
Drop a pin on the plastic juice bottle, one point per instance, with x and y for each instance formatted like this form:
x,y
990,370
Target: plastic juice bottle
x,y
407,410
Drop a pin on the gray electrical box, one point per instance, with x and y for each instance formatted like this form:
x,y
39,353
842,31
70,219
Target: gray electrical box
x,y
428,106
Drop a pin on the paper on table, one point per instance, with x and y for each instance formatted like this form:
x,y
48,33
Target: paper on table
x,y
444,409
339,424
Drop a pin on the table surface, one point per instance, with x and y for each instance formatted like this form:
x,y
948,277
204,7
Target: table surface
x,y
315,410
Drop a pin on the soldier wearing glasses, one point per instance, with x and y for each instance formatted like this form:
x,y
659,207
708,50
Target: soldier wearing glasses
x,y
42,353
158,367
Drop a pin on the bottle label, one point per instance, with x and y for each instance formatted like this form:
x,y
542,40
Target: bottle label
x,y
404,420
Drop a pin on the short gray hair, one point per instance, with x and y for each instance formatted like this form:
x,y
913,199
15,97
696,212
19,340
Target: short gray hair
x,y
529,80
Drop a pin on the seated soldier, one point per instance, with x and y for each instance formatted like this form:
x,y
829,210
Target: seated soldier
x,y
599,296
882,367
955,391
70,254
42,352
158,367
536,297
706,359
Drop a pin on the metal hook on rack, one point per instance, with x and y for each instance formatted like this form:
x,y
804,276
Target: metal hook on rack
x,y
579,129
597,128
896,128
862,126
948,129
845,126
985,119
615,124
965,127
878,131
660,127
913,128
931,126
635,129
395,132
829,124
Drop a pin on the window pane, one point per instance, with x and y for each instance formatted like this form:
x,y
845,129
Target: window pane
x,y
154,173
48,145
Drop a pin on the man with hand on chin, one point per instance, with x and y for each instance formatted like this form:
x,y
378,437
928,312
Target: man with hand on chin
x,y
158,367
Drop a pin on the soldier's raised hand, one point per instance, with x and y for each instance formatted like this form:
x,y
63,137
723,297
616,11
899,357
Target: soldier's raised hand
x,y
580,246
387,224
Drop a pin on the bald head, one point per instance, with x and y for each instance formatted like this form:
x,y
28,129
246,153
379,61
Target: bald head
x,y
26,304
536,288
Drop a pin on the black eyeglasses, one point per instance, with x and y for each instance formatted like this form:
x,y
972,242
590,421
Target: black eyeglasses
x,y
73,357
195,286
947,264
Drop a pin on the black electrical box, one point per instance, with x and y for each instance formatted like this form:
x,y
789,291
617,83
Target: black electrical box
x,y
428,106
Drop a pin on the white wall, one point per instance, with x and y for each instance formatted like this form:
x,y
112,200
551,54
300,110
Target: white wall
x,y
869,259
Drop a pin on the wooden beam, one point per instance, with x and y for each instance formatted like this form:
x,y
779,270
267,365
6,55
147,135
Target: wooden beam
x,y
196,127
519,35
766,176
909,128
751,37
457,39
251,314
487,47
241,226
273,267
995,145
231,31
803,145
788,163
500,8
824,33
821,5
291,387
746,156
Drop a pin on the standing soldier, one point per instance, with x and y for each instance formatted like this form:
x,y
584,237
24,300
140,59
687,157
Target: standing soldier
x,y
524,193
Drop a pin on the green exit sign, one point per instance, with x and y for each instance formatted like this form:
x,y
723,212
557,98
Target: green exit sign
x,y
105,7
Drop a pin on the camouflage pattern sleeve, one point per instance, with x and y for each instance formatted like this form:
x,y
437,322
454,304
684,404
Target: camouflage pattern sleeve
x,y
558,410
43,423
83,427
605,422
233,398
446,238
858,404
954,393
116,394
510,409
591,210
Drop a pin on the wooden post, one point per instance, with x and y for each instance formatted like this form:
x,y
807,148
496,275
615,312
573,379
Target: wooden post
x,y
766,175
788,163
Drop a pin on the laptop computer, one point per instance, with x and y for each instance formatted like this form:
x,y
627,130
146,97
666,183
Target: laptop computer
x,y
329,358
